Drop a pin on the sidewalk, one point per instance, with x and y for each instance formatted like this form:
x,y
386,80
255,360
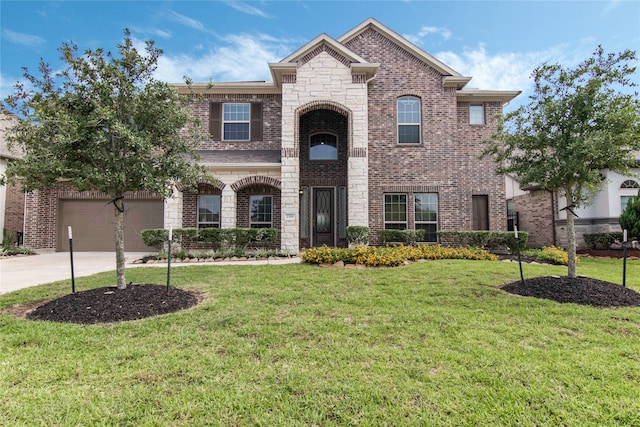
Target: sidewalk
x,y
25,271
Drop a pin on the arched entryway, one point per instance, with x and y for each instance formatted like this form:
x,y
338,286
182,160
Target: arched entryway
x,y
324,138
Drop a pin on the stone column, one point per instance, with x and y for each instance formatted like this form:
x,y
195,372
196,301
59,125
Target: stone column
x,y
290,201
228,218
173,210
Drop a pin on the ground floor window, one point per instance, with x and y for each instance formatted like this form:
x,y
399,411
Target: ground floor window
x,y
395,211
426,215
261,211
208,211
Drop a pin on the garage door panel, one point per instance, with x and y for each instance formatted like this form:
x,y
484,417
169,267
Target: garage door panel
x,y
93,223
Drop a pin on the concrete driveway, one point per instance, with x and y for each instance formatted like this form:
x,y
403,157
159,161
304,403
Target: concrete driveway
x,y
24,271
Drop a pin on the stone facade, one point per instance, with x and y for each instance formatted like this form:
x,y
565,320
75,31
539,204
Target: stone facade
x,y
347,88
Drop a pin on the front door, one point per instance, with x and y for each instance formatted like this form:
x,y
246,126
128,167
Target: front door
x,y
323,217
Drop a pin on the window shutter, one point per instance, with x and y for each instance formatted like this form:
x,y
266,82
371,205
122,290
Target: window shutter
x,y
256,121
215,120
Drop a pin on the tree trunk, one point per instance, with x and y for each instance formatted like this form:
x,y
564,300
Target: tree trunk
x,y
118,205
571,235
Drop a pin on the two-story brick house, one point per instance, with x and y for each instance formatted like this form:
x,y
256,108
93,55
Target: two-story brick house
x,y
366,129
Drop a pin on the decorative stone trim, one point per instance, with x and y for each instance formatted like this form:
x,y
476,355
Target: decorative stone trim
x,y
69,194
256,180
410,189
289,152
324,48
219,185
357,152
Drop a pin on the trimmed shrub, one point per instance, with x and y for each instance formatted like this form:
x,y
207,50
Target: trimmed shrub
x,y
488,239
630,218
155,237
407,237
358,235
602,240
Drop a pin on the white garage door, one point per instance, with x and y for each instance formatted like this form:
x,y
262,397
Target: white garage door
x,y
93,224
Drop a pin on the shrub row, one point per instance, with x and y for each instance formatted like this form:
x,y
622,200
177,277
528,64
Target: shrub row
x,y
602,240
491,240
391,256
214,238
550,254
407,237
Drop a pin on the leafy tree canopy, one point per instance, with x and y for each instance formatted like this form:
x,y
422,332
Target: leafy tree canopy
x,y
578,122
630,218
103,123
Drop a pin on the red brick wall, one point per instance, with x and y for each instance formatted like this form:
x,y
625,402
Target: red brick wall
x,y
535,214
271,125
14,208
447,159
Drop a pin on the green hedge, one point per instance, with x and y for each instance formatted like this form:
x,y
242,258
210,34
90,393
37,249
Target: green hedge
x,y
408,237
487,239
214,238
602,240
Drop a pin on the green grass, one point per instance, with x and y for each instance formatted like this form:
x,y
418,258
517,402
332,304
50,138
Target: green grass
x,y
433,343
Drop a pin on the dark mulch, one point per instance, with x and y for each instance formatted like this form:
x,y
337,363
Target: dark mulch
x,y
110,304
580,290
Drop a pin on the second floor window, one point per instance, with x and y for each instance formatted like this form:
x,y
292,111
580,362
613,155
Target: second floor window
x,y
476,114
409,120
236,120
323,147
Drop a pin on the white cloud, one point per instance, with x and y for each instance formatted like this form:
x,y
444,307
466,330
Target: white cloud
x,y
418,39
186,21
22,39
246,8
239,57
503,71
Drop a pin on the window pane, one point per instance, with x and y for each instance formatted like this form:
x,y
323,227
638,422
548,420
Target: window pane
x,y
409,134
430,234
236,131
426,207
260,210
236,119
395,208
624,201
323,147
408,110
476,114
208,211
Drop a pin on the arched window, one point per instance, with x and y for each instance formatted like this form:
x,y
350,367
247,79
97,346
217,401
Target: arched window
x,y
323,146
630,183
409,120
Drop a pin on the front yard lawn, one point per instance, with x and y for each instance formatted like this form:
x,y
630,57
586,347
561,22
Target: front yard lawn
x,y
431,343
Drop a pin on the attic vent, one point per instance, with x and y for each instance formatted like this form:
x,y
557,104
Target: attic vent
x,y
358,78
288,78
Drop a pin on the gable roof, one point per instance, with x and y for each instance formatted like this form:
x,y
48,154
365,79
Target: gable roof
x,y
404,43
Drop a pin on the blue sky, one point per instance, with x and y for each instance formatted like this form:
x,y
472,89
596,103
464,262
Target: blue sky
x,y
497,43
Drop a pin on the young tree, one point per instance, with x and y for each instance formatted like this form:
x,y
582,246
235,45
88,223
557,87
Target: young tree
x,y
578,122
630,218
103,124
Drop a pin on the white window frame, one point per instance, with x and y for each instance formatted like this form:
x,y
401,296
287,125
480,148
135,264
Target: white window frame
x,y
415,214
476,113
400,117
261,224
234,116
406,209
209,224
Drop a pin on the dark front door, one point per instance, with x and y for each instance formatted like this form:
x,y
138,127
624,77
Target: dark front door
x,y
323,217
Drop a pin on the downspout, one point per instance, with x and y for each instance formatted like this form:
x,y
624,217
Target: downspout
x,y
372,78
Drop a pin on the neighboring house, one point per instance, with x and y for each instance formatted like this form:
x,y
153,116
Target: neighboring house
x,y
541,213
11,197
366,129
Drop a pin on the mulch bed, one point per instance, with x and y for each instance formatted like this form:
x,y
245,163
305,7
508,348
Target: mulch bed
x,y
110,304
579,290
